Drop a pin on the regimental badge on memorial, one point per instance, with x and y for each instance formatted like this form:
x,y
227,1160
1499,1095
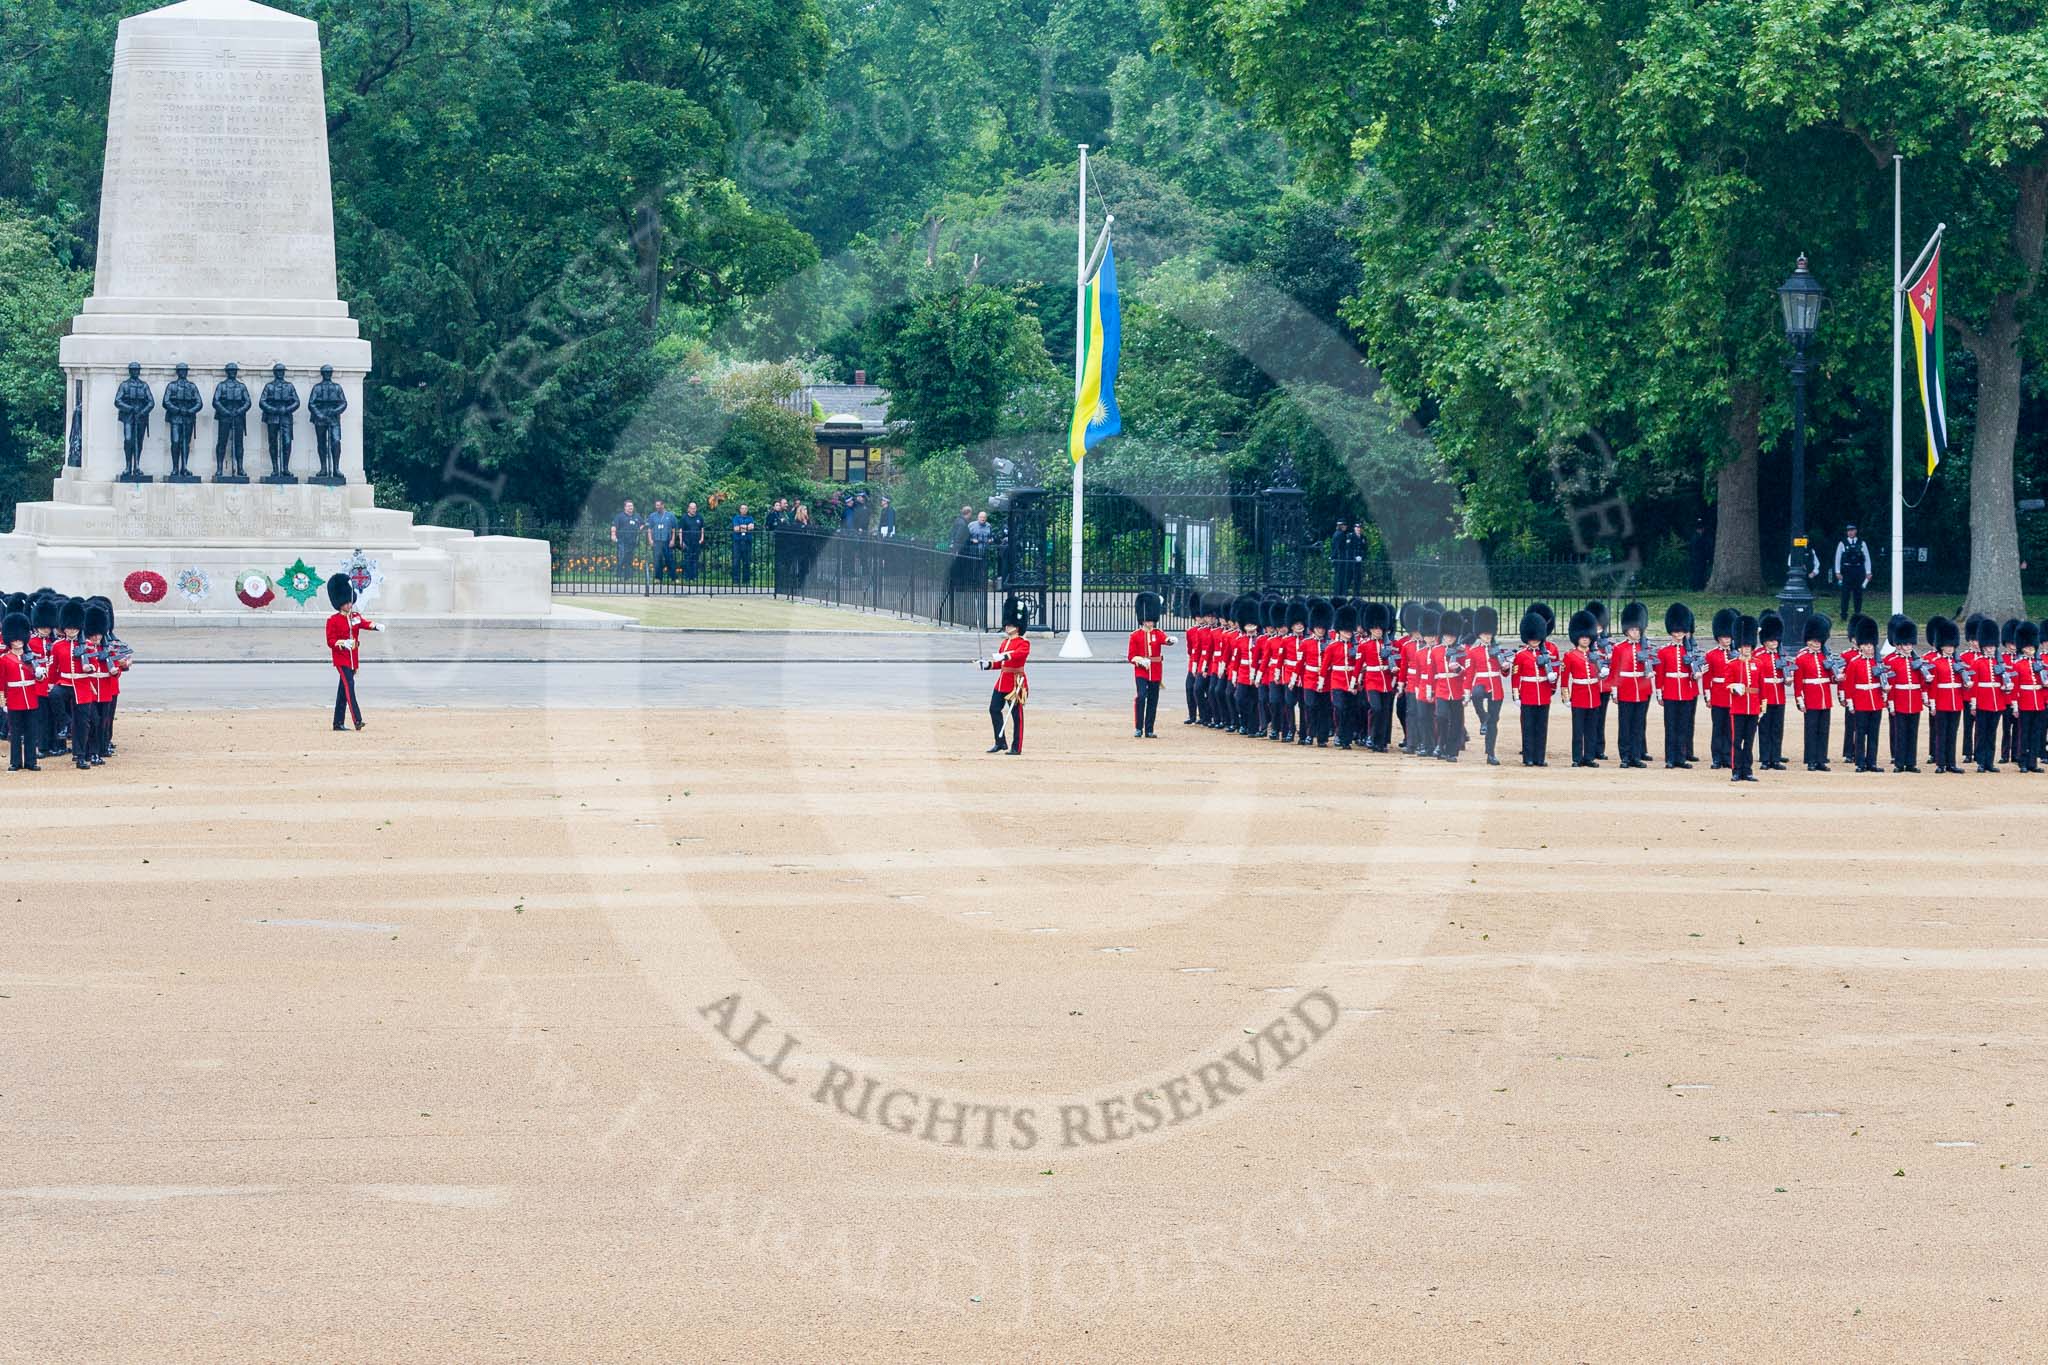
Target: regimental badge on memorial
x,y
301,582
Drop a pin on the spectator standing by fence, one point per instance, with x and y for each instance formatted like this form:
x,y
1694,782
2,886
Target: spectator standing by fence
x,y
885,520
661,537
690,533
625,536
742,547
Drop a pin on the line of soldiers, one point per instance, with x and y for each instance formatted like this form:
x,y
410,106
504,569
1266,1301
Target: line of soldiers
x,y
61,672
1313,671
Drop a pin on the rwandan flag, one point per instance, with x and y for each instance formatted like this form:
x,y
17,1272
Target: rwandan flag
x,y
1095,414
1924,298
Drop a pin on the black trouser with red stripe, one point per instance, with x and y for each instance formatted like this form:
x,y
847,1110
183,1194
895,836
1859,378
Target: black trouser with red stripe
x,y
345,698
23,737
1905,740
1678,720
1145,706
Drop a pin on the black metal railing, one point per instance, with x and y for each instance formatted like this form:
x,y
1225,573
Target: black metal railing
x,y
724,564
872,573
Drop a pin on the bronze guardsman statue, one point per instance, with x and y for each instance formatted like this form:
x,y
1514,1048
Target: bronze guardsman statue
x,y
231,425
182,406
325,405
279,402
134,402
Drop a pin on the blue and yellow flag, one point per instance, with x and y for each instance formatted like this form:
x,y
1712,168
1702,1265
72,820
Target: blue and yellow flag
x,y
1095,414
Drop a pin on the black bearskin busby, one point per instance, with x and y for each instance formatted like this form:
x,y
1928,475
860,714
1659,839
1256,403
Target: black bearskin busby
x,y
1410,616
96,622
1817,628
1598,611
1862,630
1745,635
1942,633
1016,612
1678,619
1582,626
1320,614
71,616
1347,618
1987,634
1147,605
1244,613
1900,632
2028,636
341,592
1770,628
2008,631
1451,625
1297,612
1724,623
1373,616
14,628
1543,610
1486,621
1534,627
1635,616
47,614
1427,621
1273,612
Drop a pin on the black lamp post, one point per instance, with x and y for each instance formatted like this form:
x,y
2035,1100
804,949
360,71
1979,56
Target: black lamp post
x,y
1800,296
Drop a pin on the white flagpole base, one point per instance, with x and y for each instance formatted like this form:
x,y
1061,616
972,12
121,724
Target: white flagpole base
x,y
1075,646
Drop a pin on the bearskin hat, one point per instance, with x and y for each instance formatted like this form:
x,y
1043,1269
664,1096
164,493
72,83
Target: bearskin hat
x,y
1678,619
1598,611
1543,610
1147,606
1275,613
14,629
1347,618
1941,633
47,612
1452,623
1987,633
1016,610
1582,626
1862,630
1244,613
1745,636
2008,631
1297,612
2028,636
1428,622
1817,628
96,622
1431,604
1410,615
1724,623
1900,633
1635,616
341,592
1486,621
1971,625
1770,628
71,616
1534,627
1320,614
1374,616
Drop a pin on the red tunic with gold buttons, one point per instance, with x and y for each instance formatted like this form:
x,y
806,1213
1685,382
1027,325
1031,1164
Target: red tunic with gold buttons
x,y
2029,683
1582,681
1863,684
1675,680
1907,697
1812,681
1531,679
1483,677
1628,671
1717,681
1745,680
1146,654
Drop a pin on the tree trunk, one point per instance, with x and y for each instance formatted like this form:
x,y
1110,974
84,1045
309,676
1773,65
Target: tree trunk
x,y
1738,564
1994,521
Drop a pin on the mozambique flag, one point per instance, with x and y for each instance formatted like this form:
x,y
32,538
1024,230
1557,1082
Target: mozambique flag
x,y
1924,298
1095,414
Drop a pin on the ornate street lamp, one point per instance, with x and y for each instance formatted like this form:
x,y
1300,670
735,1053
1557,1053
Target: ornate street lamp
x,y
1800,297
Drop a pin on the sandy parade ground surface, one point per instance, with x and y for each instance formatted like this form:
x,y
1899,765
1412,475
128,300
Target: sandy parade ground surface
x,y
439,1042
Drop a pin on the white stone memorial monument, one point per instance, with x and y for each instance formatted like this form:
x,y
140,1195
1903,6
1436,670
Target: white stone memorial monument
x,y
216,247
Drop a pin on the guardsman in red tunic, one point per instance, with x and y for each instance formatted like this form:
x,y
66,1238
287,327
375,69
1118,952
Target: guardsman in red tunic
x,y
1906,692
1340,672
1198,644
1770,726
1379,675
44,615
1405,621
1315,684
1972,661
1678,685
1146,653
1447,684
1987,693
1717,685
1267,662
1485,682
1629,670
22,684
345,644
1242,672
1293,669
87,669
117,657
1813,690
1744,674
1863,682
2008,728
1012,688
1532,676
1948,686
1418,682
1584,686
2029,695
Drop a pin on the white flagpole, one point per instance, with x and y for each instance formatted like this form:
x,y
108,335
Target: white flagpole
x,y
1898,416
1075,646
